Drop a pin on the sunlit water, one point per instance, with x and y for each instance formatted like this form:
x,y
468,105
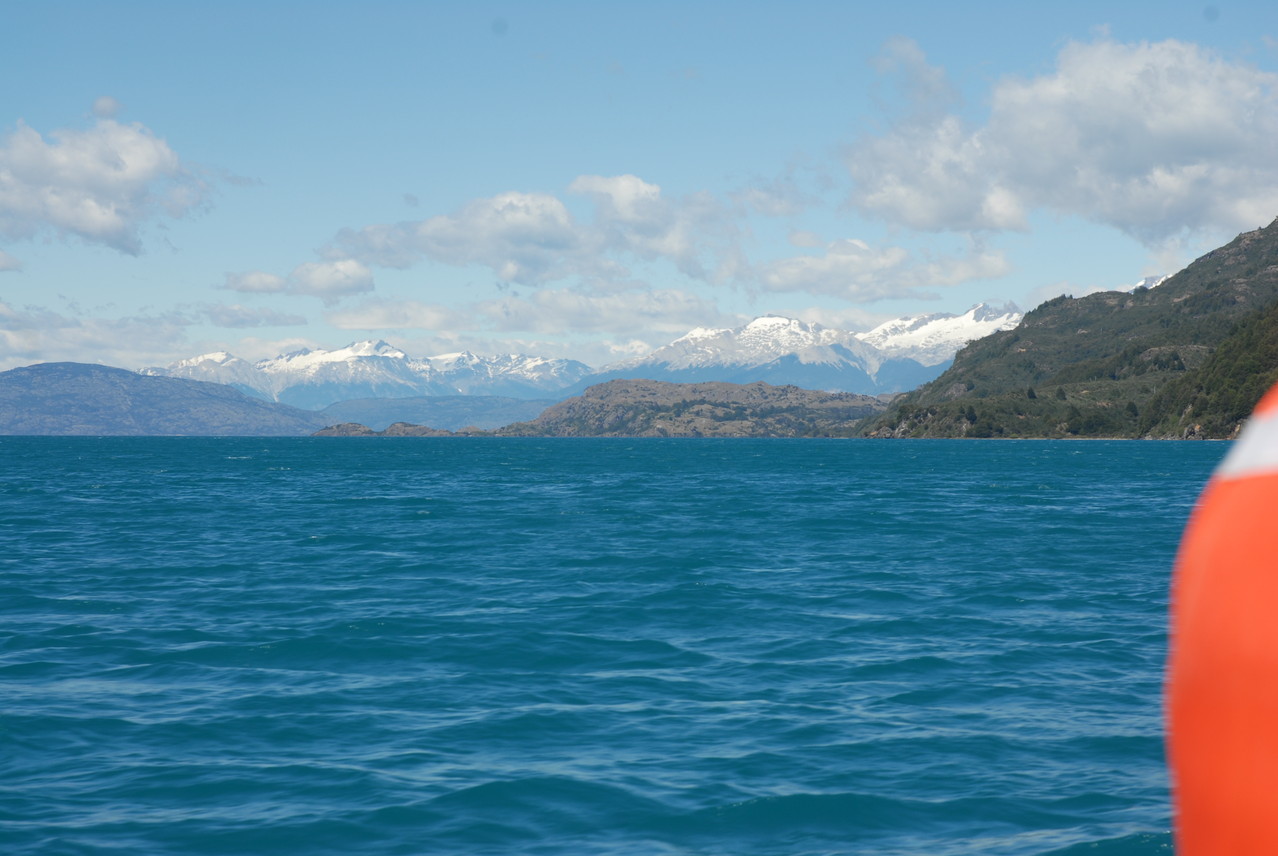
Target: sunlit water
x,y
479,646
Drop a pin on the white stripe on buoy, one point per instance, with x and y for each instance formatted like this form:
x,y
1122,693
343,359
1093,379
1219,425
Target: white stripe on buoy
x,y
1255,452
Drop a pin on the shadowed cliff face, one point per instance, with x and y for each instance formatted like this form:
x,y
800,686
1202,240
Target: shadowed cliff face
x,y
74,398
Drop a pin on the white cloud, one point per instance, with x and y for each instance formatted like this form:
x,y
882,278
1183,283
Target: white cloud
x,y
99,184
853,270
801,238
523,237
623,199
1153,139
34,334
398,315
848,268
565,311
236,316
327,280
695,232
255,282
552,312
952,270
532,238
8,262
330,280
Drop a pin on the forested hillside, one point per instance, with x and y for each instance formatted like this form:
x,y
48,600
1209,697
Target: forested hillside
x,y
1183,359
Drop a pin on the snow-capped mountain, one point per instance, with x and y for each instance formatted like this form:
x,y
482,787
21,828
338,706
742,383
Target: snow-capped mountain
x,y
217,367
935,339
893,357
514,375
313,379
772,349
761,341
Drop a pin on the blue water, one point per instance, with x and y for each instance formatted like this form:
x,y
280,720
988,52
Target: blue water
x,y
493,646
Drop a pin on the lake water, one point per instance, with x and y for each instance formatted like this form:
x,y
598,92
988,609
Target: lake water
x,y
501,646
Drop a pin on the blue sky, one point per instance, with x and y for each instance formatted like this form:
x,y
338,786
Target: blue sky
x,y
591,180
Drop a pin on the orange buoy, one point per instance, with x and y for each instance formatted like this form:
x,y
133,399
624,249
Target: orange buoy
x,y
1222,684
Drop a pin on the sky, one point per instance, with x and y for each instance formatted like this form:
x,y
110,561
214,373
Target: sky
x,y
593,180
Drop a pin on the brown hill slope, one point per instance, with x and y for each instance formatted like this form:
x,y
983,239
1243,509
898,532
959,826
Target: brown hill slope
x,y
649,408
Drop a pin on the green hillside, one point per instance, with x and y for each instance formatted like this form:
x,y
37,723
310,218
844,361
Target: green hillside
x,y
1215,399
1182,359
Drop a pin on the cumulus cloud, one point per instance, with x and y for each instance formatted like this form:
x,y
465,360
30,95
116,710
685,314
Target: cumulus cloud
x,y
633,217
523,237
99,184
533,239
328,280
853,270
1153,139
8,262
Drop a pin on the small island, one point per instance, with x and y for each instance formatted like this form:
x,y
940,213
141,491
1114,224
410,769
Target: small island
x,y
650,408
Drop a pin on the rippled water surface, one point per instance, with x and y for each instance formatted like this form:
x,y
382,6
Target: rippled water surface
x,y
478,646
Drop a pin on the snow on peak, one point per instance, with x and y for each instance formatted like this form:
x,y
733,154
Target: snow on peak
x,y
763,340
999,312
307,360
368,348
315,378
697,333
935,338
1150,282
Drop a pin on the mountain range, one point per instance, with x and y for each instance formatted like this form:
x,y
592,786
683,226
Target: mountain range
x,y
1187,356
893,357
314,379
